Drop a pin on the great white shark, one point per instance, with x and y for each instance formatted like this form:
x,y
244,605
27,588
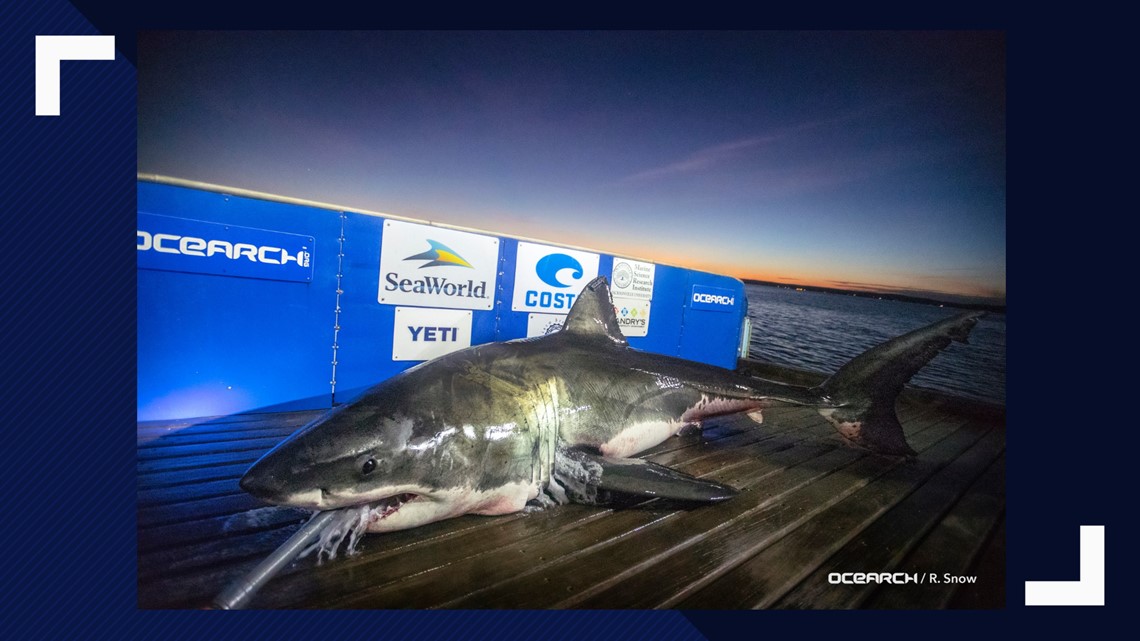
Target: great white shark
x,y
559,418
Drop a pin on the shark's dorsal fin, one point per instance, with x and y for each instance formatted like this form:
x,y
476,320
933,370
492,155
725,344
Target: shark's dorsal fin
x,y
593,313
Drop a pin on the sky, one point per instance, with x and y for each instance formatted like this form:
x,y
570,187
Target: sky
x,y
855,160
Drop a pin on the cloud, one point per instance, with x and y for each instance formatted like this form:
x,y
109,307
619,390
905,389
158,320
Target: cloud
x,y
702,159
725,152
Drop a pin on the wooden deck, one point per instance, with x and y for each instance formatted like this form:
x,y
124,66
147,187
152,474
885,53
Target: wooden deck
x,y
810,506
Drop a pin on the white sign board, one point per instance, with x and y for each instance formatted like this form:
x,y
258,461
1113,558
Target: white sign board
x,y
543,324
423,334
549,279
436,267
632,315
632,279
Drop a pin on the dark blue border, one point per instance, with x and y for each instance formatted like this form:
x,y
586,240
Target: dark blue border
x,y
68,462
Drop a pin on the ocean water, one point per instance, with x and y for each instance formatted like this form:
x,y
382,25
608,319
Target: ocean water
x,y
820,332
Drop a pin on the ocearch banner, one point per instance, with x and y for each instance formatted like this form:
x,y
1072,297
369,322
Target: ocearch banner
x,y
196,246
713,299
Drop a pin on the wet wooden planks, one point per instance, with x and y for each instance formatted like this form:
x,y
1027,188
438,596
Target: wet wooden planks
x,y
810,507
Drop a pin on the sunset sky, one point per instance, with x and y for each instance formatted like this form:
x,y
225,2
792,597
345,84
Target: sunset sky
x,y
855,160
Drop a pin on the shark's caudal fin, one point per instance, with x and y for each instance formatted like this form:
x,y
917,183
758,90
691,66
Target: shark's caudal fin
x,y
859,399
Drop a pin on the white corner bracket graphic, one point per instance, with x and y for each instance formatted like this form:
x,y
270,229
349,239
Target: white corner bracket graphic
x,y
1089,590
50,50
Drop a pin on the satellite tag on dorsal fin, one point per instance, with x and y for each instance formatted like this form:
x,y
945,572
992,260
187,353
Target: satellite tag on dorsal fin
x,y
593,313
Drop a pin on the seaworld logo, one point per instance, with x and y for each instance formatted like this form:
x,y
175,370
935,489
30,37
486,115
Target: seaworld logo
x,y
440,254
548,269
433,267
436,286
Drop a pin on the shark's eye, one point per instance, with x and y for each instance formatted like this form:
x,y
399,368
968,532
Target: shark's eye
x,y
369,466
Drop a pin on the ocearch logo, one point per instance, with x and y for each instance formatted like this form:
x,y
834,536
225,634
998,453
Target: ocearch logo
x,y
713,299
194,246
185,245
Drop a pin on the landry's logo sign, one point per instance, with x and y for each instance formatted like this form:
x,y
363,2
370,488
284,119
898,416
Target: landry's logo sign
x,y
449,268
629,316
440,254
632,316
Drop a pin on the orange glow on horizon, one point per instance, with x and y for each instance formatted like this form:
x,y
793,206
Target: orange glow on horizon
x,y
542,230
850,281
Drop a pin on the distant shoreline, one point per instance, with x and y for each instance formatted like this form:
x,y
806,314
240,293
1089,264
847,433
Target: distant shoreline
x,y
1000,309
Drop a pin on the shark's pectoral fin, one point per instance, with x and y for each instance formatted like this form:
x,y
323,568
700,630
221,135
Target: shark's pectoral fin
x,y
590,478
642,478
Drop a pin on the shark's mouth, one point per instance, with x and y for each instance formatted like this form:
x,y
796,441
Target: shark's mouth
x,y
386,507
350,523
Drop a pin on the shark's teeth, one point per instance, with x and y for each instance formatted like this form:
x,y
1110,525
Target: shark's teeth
x,y
386,507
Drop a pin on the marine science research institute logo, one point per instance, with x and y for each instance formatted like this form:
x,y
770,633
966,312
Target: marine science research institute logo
x,y
426,266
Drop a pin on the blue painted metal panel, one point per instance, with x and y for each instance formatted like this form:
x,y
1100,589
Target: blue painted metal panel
x,y
364,349
213,343
711,331
510,324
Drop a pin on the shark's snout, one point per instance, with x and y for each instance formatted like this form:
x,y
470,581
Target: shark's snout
x,y
261,484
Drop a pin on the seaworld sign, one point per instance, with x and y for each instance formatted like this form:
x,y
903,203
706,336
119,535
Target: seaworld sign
x,y
430,266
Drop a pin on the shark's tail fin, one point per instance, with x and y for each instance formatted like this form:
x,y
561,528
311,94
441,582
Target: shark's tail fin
x,y
859,399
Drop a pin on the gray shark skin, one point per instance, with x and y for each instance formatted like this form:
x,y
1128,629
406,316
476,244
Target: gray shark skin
x,y
558,418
